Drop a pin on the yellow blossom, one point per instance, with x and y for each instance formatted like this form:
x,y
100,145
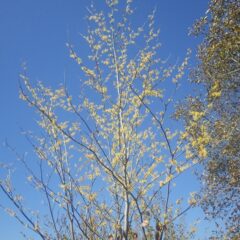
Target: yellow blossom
x,y
196,115
90,156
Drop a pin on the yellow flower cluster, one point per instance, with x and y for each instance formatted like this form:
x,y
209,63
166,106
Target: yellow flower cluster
x,y
196,115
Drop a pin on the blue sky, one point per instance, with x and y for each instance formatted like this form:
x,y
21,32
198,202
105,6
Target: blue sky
x,y
36,32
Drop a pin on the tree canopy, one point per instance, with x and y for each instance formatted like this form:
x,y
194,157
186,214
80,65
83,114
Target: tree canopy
x,y
108,158
212,118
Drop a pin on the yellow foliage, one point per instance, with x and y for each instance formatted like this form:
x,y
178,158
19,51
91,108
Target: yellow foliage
x,y
215,90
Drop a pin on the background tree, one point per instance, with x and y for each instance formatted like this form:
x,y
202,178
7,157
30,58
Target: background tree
x,y
212,118
108,158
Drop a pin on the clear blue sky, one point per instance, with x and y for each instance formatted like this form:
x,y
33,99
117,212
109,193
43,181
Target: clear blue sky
x,y
36,32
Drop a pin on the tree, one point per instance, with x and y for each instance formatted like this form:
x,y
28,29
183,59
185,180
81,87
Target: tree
x,y
212,118
107,160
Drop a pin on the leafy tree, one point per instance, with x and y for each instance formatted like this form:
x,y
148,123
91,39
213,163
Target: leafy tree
x,y
212,118
107,159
